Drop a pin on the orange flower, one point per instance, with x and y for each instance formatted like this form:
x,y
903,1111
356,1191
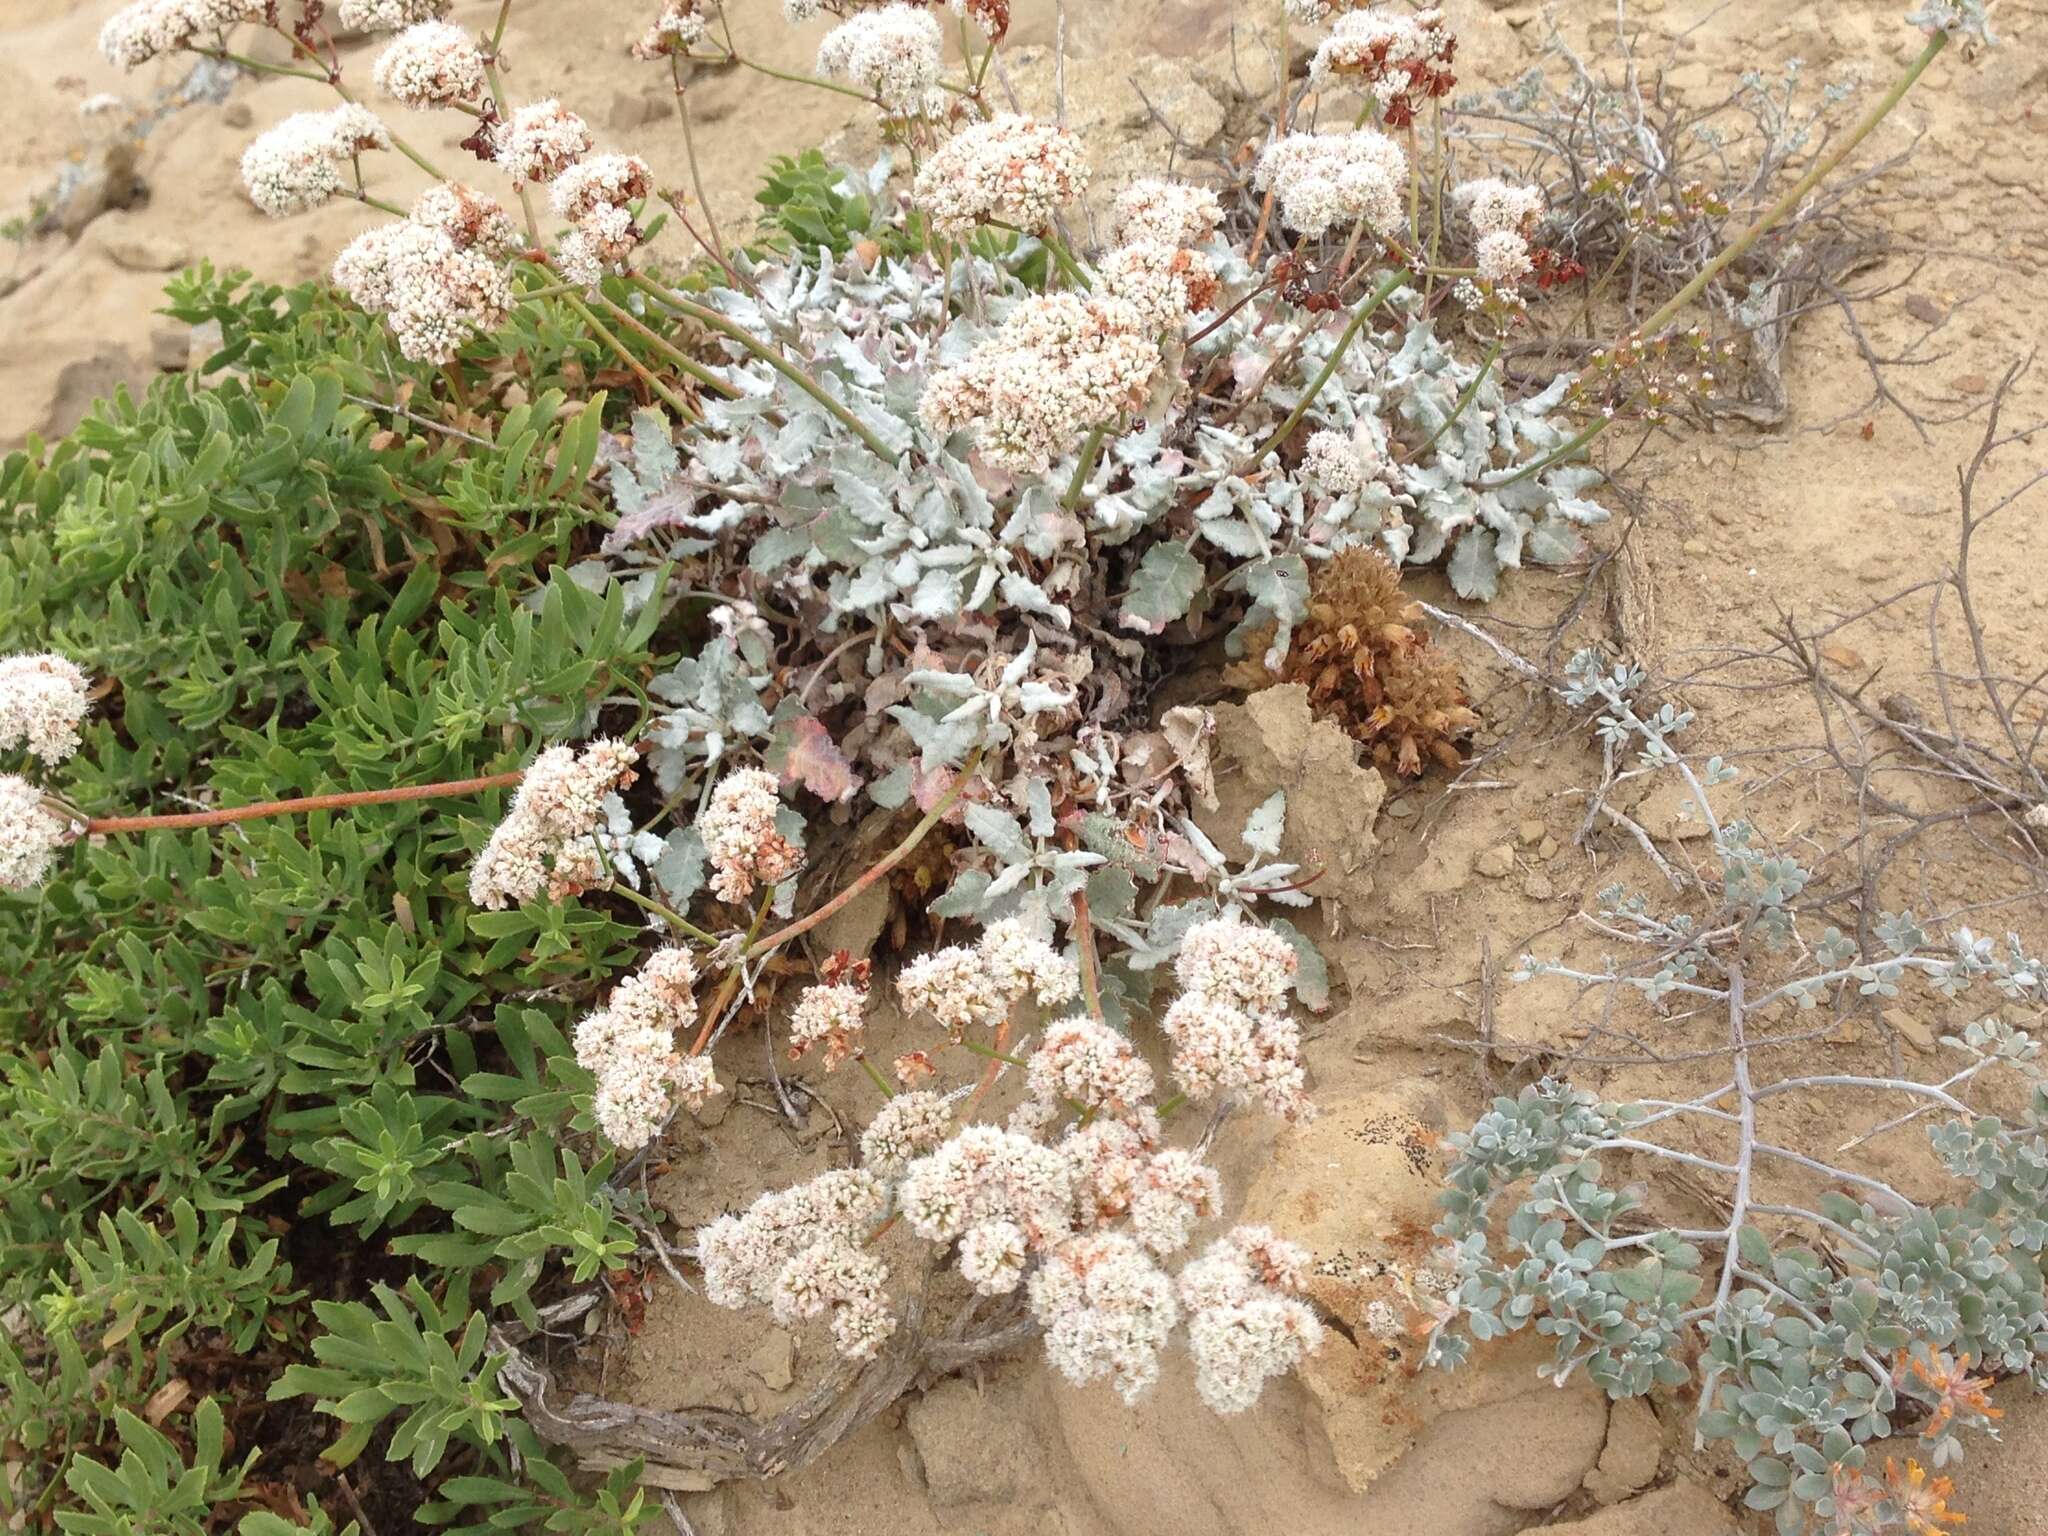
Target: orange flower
x,y
1954,1391
1922,1501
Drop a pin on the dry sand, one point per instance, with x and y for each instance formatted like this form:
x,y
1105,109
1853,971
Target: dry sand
x,y
1842,503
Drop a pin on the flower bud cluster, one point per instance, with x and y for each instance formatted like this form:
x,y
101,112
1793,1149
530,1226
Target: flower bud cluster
x,y
1011,169
388,15
431,64
43,699
740,836
832,1015
1334,180
539,141
974,986
629,1046
544,844
595,197
678,28
1404,60
30,834
1503,218
892,53
800,1252
434,293
1247,1323
298,164
1171,212
137,33
1230,1027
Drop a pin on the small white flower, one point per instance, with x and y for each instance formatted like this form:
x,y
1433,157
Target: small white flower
x,y
43,698
30,834
892,53
741,840
431,64
540,141
1011,168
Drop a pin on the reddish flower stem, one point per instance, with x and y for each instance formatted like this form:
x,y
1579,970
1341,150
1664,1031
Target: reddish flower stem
x,y
302,804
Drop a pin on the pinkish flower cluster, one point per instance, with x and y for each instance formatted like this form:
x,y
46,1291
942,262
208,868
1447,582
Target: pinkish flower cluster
x,y
1176,1192
387,15
1503,218
431,64
903,1130
1326,180
544,844
1333,461
678,28
1246,1321
892,53
741,840
967,987
1170,212
1089,1064
137,33
1230,1027
1060,366
831,1016
629,1046
1163,283
594,196
43,698
1403,60
1012,170
800,1251
467,217
298,164
539,141
30,834
434,294
1107,1310
987,1174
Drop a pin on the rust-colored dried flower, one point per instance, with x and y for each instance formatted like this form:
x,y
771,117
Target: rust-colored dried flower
x,y
1369,666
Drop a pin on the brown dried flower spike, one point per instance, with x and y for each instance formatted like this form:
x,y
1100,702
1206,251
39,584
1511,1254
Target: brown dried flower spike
x,y
1370,667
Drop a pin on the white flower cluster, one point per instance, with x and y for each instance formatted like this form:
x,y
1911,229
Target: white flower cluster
x,y
986,1174
892,54
629,1046
1171,212
1107,1310
1060,366
467,217
1082,1062
966,987
387,15
1503,217
741,839
544,842
1247,1323
593,196
1230,1027
1011,169
43,698
678,28
297,165
1403,60
30,834
1163,283
905,1128
539,141
431,64
1326,179
832,1016
1333,461
799,1251
434,293
137,33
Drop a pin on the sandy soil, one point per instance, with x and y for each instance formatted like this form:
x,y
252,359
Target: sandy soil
x,y
1842,503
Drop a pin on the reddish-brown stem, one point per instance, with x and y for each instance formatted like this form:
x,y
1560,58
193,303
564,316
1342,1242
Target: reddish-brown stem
x,y
302,804
875,871
988,1073
1091,967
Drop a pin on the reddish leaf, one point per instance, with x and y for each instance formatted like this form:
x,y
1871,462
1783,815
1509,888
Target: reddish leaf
x,y
811,758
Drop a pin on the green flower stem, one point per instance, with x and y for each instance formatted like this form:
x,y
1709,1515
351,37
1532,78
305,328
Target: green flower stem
x,y
669,915
772,356
991,1053
1091,450
674,401
669,350
1464,400
875,1075
1359,316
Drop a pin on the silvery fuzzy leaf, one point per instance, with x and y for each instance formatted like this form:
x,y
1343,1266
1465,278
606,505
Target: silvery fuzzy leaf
x,y
679,868
1070,872
848,355
967,896
1163,587
999,832
1312,974
1399,541
984,584
1042,698
933,514
1279,593
940,743
791,448
1040,525
937,596
718,461
1008,880
1233,536
1112,894
1553,542
1038,799
895,434
1509,529
1205,848
1473,570
1027,595
950,685
655,461
892,789
1263,828
861,496
1162,936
